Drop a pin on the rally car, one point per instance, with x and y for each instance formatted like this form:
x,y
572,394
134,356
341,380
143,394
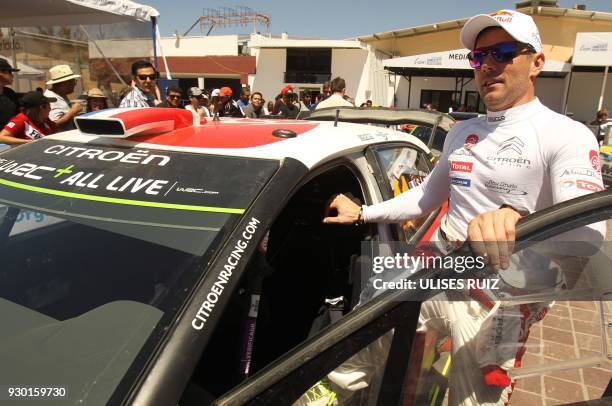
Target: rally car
x,y
152,258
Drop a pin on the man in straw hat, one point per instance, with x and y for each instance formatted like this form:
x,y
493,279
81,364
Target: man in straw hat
x,y
62,82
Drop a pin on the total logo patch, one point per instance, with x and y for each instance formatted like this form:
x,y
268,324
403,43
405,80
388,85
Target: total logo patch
x,y
586,185
458,166
594,158
470,141
461,182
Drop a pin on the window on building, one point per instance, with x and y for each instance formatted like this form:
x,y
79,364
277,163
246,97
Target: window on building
x,y
473,103
306,65
441,100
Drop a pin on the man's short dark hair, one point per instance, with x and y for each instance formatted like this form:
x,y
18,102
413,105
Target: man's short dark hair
x,y
139,65
174,89
245,90
337,85
254,93
306,93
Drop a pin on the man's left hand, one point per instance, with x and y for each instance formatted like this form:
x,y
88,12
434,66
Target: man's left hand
x,y
492,235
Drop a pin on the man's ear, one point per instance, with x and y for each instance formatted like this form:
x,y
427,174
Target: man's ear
x,y
537,64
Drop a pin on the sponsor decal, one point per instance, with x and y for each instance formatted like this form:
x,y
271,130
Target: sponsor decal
x,y
594,47
231,262
495,119
196,190
502,16
432,61
461,182
458,166
594,158
470,141
514,144
103,177
566,184
586,185
510,153
579,171
504,187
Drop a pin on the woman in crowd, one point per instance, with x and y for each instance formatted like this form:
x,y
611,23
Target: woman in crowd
x,y
33,123
96,100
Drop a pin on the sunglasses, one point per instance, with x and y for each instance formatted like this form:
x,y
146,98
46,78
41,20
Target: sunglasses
x,y
174,96
152,76
502,52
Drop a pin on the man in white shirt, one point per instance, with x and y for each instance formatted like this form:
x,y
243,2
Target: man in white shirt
x,y
521,158
338,88
62,82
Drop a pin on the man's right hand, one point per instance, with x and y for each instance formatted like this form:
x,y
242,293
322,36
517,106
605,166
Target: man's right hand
x,y
76,108
347,211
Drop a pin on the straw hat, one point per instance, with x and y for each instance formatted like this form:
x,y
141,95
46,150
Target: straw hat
x,y
95,92
61,73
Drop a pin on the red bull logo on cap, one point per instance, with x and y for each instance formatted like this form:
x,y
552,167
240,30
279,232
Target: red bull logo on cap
x,y
503,16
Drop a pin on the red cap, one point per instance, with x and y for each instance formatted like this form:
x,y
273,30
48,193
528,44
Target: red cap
x,y
287,89
225,91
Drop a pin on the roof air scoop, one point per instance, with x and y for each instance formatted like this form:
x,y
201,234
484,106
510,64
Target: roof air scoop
x,y
126,122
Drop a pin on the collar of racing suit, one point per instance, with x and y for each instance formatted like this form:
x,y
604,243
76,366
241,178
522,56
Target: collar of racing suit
x,y
514,114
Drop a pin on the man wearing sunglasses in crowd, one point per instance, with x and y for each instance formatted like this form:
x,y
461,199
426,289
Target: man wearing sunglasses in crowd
x,y
173,98
494,170
145,83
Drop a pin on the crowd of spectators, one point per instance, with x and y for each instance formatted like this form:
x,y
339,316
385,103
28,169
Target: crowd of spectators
x,y
42,112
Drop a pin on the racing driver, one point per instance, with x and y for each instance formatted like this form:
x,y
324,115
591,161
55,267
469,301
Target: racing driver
x,y
522,157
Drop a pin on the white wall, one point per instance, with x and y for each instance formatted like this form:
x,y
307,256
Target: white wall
x,y
584,95
186,46
270,69
374,83
349,64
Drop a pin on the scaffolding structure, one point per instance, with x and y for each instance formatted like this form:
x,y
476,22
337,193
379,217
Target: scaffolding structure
x,y
230,17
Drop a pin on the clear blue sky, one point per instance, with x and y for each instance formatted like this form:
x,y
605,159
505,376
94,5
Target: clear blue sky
x,y
338,19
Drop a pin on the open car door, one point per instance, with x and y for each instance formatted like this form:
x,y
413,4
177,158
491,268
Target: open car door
x,y
566,358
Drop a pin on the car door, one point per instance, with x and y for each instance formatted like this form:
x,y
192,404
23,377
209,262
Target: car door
x,y
383,330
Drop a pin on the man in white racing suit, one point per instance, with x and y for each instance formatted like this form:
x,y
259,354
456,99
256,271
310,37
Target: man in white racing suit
x,y
522,157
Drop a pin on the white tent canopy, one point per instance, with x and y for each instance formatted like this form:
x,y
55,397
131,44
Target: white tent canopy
x,y
26,71
454,59
27,13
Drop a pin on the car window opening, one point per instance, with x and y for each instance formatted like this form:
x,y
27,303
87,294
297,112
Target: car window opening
x,y
310,262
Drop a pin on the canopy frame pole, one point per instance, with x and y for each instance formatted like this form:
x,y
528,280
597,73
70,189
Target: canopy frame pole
x,y
567,91
154,38
161,50
603,89
14,54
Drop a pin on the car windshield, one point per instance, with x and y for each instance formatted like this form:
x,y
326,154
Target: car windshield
x,y
98,249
